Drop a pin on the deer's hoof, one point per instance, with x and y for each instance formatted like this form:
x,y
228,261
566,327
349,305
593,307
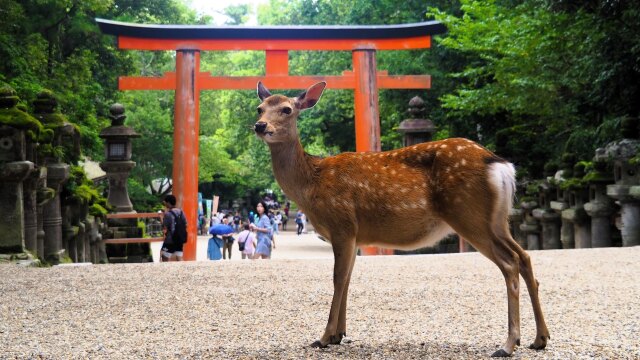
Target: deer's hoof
x,y
500,353
336,339
540,343
318,344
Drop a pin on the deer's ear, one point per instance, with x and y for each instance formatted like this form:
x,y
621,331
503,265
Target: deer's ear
x,y
310,97
263,92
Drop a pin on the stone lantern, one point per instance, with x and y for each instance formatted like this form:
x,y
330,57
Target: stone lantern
x,y
14,169
576,214
549,219
417,129
600,207
57,172
118,162
626,175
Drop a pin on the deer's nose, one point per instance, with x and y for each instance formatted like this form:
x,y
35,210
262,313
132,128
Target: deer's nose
x,y
260,127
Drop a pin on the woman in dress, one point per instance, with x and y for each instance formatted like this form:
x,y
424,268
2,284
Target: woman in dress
x,y
264,230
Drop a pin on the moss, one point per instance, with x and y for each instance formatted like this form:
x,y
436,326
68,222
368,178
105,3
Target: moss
x,y
45,194
636,159
143,228
48,150
19,119
66,260
533,188
594,176
573,184
52,120
46,136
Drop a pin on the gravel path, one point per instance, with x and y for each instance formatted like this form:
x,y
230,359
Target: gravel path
x,y
401,307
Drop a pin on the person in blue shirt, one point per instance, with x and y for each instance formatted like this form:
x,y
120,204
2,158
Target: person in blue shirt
x,y
264,231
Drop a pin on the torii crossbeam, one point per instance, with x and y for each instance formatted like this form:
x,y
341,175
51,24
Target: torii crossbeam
x,y
189,40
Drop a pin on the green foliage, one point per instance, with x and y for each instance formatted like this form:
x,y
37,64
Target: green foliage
x,y
79,189
532,80
141,199
542,65
97,210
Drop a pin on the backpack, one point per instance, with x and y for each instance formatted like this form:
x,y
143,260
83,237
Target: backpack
x,y
179,235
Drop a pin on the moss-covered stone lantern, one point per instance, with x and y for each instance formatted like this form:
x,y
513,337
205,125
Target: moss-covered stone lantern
x,y
15,126
626,172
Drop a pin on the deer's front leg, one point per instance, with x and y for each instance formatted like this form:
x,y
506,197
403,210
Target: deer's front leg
x,y
344,257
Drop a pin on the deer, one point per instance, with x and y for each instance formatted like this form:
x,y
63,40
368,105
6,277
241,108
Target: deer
x,y
366,199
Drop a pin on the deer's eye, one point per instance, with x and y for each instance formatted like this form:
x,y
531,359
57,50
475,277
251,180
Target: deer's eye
x,y
260,111
286,110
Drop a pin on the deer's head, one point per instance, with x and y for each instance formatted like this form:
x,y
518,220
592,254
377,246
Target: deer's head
x,y
278,113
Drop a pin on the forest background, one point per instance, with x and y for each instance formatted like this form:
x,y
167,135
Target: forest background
x,y
532,80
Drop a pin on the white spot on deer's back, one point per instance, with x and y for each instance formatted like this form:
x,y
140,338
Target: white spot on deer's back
x,y
463,162
443,146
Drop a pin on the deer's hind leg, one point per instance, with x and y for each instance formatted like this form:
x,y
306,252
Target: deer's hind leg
x,y
526,270
495,247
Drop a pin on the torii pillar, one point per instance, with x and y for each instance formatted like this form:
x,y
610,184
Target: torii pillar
x,y
187,81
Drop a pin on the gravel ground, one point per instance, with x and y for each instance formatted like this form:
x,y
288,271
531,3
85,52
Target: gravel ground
x,y
401,307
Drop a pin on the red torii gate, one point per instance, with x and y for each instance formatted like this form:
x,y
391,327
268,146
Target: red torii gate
x,y
276,41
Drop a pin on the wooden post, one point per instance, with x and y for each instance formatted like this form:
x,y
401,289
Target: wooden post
x,y
367,115
185,140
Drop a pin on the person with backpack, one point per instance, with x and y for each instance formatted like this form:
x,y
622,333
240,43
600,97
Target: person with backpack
x,y
175,230
246,242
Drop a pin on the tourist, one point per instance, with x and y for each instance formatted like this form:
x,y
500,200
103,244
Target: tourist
x,y
274,224
237,219
228,239
278,219
264,233
299,216
285,219
174,230
247,242
213,248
